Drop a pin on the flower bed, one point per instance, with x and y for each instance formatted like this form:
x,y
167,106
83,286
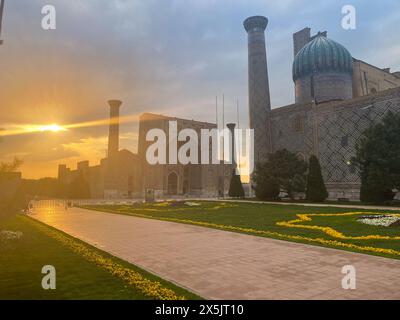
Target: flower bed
x,y
332,232
149,288
385,220
6,235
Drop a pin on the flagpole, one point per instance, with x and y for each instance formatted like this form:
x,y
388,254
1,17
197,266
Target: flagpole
x,y
237,112
216,111
223,144
239,137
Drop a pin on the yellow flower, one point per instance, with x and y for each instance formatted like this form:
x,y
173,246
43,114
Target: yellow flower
x,y
330,231
149,288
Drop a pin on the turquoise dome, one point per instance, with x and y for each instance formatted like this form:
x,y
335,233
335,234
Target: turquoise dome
x,y
321,55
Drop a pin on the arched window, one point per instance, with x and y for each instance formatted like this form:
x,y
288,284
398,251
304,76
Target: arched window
x,y
298,124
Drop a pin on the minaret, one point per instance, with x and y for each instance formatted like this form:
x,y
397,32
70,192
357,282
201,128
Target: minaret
x,y
113,135
231,127
259,96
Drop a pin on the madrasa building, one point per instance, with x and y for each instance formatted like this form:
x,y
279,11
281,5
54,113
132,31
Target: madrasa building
x,y
126,175
337,97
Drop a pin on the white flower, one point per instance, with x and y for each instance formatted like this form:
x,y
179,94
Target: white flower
x,y
379,220
192,204
10,235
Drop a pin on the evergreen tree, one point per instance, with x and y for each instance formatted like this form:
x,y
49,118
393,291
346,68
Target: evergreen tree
x,y
236,187
316,189
375,187
378,160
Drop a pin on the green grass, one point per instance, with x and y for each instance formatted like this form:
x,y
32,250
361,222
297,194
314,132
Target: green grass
x,y
265,216
21,262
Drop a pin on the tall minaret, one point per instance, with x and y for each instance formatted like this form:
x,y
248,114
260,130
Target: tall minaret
x,y
113,135
259,97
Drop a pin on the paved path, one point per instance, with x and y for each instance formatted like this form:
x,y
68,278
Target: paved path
x,y
223,265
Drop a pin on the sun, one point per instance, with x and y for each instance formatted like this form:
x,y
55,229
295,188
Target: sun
x,y
52,127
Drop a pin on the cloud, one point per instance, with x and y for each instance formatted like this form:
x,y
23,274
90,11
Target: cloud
x,y
92,148
165,56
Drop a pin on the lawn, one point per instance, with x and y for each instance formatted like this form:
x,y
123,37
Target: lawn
x,y
82,271
334,230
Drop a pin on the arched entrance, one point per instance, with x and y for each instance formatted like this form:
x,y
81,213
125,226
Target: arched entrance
x,y
172,184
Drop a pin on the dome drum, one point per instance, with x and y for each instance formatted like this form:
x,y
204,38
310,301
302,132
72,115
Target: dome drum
x,y
322,71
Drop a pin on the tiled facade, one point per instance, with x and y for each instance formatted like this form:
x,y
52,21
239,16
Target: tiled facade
x,y
337,99
331,131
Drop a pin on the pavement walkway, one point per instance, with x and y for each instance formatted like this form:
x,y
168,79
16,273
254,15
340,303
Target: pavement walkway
x,y
223,265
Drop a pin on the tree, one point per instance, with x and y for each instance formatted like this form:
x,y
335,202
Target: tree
x,y
11,196
79,188
375,186
283,171
378,160
266,185
316,189
236,187
12,166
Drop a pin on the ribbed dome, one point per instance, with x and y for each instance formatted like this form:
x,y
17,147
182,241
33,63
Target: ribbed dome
x,y
321,55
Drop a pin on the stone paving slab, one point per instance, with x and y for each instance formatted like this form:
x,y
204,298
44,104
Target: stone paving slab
x,y
224,265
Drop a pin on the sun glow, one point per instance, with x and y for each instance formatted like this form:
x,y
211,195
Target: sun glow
x,y
52,127
17,129
12,130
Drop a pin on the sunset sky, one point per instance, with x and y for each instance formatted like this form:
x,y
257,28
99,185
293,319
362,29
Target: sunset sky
x,y
164,56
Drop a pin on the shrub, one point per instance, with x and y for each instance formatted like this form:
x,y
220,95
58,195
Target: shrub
x,y
316,189
236,187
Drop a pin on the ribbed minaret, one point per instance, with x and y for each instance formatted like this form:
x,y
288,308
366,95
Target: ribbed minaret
x,y
113,135
259,97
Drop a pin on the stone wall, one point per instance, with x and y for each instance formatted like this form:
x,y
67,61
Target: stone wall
x,y
292,128
368,79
